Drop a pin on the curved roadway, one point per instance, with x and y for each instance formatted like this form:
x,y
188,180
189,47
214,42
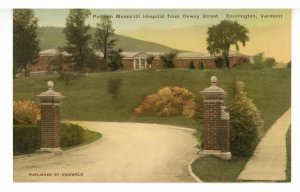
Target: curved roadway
x,y
127,152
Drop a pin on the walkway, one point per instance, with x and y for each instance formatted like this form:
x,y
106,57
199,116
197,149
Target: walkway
x,y
269,160
127,152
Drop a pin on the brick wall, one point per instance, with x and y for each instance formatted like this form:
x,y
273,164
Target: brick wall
x,y
211,132
224,133
50,126
157,63
127,64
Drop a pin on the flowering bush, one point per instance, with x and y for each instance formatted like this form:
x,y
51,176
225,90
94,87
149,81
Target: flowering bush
x,y
26,112
168,101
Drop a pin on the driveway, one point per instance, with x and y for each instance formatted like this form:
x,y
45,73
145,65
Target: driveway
x,y
127,152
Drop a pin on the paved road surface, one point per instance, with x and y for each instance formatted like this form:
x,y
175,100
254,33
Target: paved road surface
x,y
127,152
269,160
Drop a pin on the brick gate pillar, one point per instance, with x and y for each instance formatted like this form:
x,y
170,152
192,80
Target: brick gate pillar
x,y
215,132
50,102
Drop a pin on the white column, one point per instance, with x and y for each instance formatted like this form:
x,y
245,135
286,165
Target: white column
x,y
146,64
134,67
139,63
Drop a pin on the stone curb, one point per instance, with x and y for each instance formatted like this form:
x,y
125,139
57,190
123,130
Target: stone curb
x,y
191,171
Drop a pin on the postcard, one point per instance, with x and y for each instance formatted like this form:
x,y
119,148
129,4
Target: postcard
x,y
152,95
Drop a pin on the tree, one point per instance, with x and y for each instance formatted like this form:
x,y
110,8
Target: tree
x,y
114,86
288,65
269,62
219,62
261,62
25,42
150,59
104,38
168,58
115,60
76,32
201,65
192,66
245,122
56,64
222,36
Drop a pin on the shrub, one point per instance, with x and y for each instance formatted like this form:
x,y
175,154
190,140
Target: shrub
x,y
71,134
219,63
192,66
168,58
199,108
201,65
288,65
26,112
114,86
168,101
26,139
262,62
245,121
150,59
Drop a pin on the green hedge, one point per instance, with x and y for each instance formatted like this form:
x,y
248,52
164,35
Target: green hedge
x,y
27,137
71,134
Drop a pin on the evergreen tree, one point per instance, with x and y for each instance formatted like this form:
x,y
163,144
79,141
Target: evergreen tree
x,y
25,42
77,37
245,122
104,38
115,60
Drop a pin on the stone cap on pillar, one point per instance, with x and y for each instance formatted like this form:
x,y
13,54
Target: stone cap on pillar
x,y
214,92
50,96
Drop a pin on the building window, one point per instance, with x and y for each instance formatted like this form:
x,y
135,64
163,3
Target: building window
x,y
136,61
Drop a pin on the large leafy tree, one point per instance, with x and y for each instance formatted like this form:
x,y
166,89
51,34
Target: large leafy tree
x,y
25,42
78,38
105,38
222,36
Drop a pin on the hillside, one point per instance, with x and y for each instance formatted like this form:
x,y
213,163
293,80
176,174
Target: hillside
x,y
53,37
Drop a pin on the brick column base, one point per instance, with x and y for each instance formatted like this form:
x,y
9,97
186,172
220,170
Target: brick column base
x,y
215,131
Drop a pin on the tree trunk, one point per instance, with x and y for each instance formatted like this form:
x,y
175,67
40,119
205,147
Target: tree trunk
x,y
225,60
27,71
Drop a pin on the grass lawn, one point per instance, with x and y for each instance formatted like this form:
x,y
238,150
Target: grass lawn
x,y
288,155
213,169
87,99
89,137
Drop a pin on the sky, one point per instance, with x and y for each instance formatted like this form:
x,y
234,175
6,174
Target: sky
x,y
185,29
